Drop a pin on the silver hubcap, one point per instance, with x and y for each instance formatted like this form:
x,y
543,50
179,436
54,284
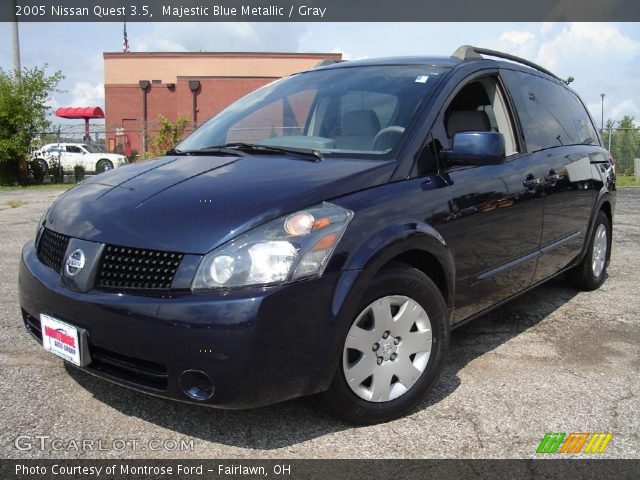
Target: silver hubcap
x,y
387,348
599,256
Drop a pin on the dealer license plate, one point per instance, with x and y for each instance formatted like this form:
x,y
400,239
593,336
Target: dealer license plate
x,y
61,338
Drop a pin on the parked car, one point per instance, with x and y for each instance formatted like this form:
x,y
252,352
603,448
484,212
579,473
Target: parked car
x,y
325,233
71,154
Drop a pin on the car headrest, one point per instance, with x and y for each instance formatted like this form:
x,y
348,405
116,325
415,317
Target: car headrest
x,y
360,123
467,121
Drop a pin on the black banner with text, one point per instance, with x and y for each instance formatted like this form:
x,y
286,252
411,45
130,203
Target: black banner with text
x,y
317,469
317,10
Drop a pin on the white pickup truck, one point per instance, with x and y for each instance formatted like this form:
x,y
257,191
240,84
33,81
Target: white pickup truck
x,y
72,154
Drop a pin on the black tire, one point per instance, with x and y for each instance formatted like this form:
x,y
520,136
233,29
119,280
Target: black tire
x,y
405,281
583,276
43,165
104,165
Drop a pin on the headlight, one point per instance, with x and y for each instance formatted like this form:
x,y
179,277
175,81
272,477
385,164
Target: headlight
x,y
289,248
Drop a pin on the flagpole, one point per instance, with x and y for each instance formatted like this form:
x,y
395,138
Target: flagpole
x,y
125,40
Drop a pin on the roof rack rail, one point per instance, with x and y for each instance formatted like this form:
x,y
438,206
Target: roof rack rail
x,y
469,52
327,61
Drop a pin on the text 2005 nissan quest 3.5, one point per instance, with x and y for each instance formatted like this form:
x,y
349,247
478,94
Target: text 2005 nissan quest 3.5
x,y
323,234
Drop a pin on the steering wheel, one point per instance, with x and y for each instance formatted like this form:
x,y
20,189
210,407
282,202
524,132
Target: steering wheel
x,y
387,137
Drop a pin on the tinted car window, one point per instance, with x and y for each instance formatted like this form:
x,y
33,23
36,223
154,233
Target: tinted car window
x,y
585,131
551,115
73,149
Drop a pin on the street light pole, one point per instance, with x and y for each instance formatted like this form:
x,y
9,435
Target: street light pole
x,y
144,86
15,40
602,112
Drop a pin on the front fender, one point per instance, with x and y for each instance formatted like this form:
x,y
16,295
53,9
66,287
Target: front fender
x,y
380,247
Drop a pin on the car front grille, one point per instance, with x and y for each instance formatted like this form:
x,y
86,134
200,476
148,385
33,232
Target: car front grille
x,y
51,249
124,268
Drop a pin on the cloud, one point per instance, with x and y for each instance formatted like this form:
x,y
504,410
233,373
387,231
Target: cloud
x,y
522,43
88,95
587,42
626,107
586,51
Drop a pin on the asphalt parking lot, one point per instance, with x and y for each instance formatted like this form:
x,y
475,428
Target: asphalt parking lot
x,y
553,360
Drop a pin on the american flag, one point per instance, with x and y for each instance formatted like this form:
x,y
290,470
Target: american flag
x,y
125,41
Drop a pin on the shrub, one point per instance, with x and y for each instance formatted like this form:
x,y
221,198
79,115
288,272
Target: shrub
x,y
36,172
54,171
78,173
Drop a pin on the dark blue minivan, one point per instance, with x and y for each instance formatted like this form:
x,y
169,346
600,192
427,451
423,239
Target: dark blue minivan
x,y
324,234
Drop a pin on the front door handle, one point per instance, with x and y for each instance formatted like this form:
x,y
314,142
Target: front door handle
x,y
552,178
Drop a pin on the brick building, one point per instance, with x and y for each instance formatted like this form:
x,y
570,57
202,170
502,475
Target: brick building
x,y
196,85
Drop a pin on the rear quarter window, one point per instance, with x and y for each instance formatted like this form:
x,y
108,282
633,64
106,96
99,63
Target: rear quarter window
x,y
550,114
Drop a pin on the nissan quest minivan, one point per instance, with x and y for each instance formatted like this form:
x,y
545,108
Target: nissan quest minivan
x,y
323,235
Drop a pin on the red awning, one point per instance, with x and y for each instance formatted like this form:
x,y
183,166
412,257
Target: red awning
x,y
80,112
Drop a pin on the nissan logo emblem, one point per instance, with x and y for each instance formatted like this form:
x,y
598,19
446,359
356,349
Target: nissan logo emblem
x,y
75,263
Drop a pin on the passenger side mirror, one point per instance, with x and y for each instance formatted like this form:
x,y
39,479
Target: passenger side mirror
x,y
476,148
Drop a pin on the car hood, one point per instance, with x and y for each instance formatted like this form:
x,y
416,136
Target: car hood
x,y
193,204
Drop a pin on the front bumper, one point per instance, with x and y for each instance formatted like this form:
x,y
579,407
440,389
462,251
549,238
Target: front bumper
x,y
258,346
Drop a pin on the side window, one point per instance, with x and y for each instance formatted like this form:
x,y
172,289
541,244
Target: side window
x,y
585,132
73,149
480,106
550,114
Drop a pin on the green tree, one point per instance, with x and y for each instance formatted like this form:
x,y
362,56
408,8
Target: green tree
x,y
23,116
168,136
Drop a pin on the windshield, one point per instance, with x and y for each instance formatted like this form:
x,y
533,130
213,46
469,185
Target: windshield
x,y
92,148
356,112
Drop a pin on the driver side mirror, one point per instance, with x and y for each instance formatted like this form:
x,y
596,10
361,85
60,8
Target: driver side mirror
x,y
476,148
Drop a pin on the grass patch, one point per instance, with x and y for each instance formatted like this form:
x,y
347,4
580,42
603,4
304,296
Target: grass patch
x,y
16,203
626,181
49,186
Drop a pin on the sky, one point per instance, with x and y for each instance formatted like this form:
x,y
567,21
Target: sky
x,y
602,57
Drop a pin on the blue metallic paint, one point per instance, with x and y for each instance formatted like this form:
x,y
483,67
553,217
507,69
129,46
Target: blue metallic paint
x,y
271,344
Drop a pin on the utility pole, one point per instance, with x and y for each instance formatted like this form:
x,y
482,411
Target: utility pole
x,y
15,37
602,112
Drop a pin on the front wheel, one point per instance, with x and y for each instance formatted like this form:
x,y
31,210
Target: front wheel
x,y
394,350
104,165
592,271
44,166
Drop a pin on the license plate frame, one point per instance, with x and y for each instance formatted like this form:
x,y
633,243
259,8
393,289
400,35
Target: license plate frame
x,y
65,340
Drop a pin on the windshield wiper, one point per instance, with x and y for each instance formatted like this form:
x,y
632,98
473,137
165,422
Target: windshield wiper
x,y
240,148
256,147
207,151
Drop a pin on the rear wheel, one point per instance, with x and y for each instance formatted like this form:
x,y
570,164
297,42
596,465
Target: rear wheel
x,y
592,271
394,351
